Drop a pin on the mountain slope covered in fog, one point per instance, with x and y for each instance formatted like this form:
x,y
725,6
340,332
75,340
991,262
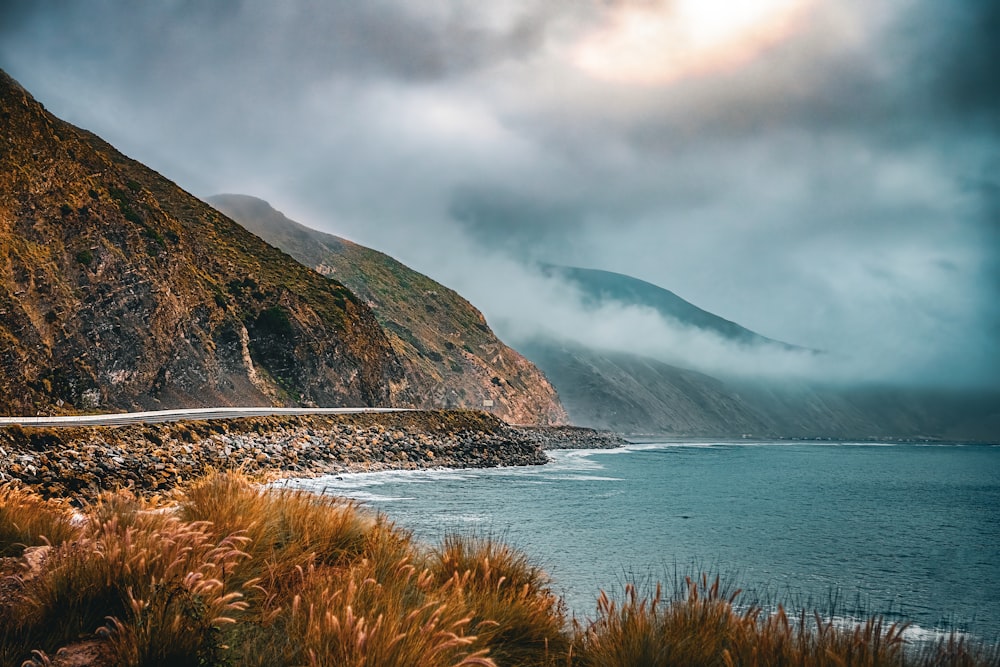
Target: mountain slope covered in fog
x,y
606,287
637,393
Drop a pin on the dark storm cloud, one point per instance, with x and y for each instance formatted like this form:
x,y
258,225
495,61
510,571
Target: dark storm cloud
x,y
290,43
245,76
510,220
960,64
989,190
838,190
847,162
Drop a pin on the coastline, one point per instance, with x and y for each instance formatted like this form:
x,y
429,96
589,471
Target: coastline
x,y
212,502
154,458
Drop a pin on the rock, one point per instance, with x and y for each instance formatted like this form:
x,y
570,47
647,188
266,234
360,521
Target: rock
x,y
87,653
104,458
33,561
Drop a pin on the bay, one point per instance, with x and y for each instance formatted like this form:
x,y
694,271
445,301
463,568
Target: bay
x,y
905,530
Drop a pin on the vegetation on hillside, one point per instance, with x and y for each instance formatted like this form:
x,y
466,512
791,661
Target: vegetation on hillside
x,y
228,573
450,355
118,289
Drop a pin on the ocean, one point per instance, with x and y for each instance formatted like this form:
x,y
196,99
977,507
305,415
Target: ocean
x,y
904,530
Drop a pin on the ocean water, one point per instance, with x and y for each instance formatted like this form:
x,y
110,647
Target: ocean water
x,y
908,531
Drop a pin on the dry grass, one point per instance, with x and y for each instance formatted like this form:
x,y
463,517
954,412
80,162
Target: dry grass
x,y
287,531
347,617
232,574
160,593
330,584
28,520
704,629
508,599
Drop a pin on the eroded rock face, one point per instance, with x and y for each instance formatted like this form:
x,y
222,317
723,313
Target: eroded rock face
x,y
119,290
451,356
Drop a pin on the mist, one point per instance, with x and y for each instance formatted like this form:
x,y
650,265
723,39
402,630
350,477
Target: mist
x,y
833,185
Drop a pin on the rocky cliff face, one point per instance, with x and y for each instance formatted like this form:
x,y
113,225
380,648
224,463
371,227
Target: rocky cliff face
x,y
450,355
120,290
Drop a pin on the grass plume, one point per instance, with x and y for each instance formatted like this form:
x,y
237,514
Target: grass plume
x,y
28,520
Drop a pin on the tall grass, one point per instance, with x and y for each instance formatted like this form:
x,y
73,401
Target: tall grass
x,y
287,532
164,590
705,629
28,520
330,583
234,574
510,604
347,617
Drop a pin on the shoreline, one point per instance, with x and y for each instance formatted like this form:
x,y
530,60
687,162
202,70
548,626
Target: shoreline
x,y
82,462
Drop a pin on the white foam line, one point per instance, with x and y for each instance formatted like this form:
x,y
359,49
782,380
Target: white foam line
x,y
585,478
708,444
357,480
911,632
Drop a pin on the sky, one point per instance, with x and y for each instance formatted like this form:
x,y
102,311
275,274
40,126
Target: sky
x,y
824,172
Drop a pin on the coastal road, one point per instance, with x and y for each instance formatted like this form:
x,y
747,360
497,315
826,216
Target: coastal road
x,y
159,416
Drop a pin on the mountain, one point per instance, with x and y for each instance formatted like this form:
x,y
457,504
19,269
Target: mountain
x,y
630,393
450,355
119,290
604,287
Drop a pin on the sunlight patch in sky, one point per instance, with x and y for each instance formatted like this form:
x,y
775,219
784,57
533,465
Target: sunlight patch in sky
x,y
654,45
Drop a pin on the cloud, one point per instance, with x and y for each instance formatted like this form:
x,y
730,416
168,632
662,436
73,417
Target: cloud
x,y
837,188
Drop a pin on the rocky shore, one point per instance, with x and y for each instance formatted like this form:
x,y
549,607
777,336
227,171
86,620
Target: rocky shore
x,y
81,462
571,437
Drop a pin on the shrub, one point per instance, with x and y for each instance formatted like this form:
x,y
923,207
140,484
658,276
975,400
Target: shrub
x,y
127,510
705,629
85,257
177,618
328,583
954,651
273,321
129,214
286,529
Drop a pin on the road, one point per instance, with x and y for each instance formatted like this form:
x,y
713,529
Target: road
x,y
159,416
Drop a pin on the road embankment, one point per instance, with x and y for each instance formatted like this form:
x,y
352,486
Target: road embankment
x,y
83,461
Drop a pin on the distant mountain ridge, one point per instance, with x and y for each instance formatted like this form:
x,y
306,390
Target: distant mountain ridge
x,y
119,290
636,394
633,394
604,287
450,356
